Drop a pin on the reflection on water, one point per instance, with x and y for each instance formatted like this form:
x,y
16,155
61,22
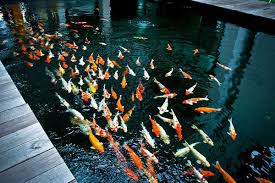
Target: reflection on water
x,y
245,93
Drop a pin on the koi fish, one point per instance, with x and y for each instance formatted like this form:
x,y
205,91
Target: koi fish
x,y
69,88
62,101
152,64
84,47
185,75
87,41
116,75
100,74
138,63
93,103
81,62
64,83
169,47
31,56
140,37
207,173
262,180
232,131
113,124
170,95
123,124
120,56
151,170
133,97
215,79
106,94
128,115
116,64
207,110
197,174
166,120
96,144
113,93
101,105
124,49
110,63
102,43
155,128
75,89
98,130
163,135
85,96
123,82
91,58
131,72
200,158
29,64
101,60
51,55
168,74
106,74
131,174
48,59
176,125
147,136
134,157
145,152
88,68
73,59
225,175
51,75
205,137
75,113
184,151
162,88
23,48
224,67
192,101
190,90
140,87
119,107
138,95
196,51
61,57
146,75
164,107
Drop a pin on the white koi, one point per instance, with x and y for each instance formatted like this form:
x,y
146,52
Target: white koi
x,y
215,79
152,64
224,67
147,136
51,55
76,70
123,124
145,74
131,72
163,135
164,107
81,62
80,81
184,151
138,63
170,95
145,152
93,103
69,89
102,43
62,101
124,49
190,90
166,120
75,113
116,75
168,74
205,137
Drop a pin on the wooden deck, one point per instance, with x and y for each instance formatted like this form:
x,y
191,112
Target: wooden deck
x,y
26,153
254,8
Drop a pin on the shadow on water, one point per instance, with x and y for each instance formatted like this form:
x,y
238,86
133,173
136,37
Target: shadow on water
x,y
186,30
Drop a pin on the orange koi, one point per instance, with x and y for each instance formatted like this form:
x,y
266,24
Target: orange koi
x,y
48,59
133,97
107,75
116,64
114,95
65,65
178,130
225,175
101,61
138,95
262,180
87,69
207,173
119,105
29,64
128,115
95,142
125,72
85,96
24,48
196,51
91,58
38,53
131,174
65,54
155,128
150,167
185,75
97,60
61,57
120,56
123,82
207,109
134,157
140,87
31,56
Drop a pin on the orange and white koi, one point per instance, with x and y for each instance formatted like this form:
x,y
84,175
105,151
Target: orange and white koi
x,y
170,95
113,93
88,68
127,116
190,90
168,74
215,79
140,87
207,109
196,173
196,51
134,157
107,74
232,131
225,175
106,93
200,158
124,49
110,63
163,107
101,105
96,144
85,96
152,64
48,59
73,59
155,128
76,70
145,152
116,75
107,113
147,136
114,124
123,82
29,64
185,75
138,63
205,137
169,47
162,88
146,75
98,130
151,170
81,62
224,67
176,125
120,56
262,180
91,58
192,101
100,74
119,106
138,95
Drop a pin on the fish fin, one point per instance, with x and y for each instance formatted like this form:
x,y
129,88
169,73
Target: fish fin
x,y
230,120
185,144
198,161
204,141
158,108
228,133
92,147
194,127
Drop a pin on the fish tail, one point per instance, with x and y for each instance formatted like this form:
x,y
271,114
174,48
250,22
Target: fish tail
x,y
206,97
217,165
230,120
185,143
194,127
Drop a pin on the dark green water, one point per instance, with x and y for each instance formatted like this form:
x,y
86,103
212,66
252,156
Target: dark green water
x,y
246,94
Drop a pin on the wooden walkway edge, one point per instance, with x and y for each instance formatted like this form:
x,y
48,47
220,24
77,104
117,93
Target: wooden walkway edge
x,y
26,153
256,8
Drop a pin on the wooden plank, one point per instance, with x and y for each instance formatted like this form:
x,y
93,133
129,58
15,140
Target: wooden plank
x,y
33,167
7,86
25,151
20,137
15,112
5,78
9,94
17,124
59,174
11,103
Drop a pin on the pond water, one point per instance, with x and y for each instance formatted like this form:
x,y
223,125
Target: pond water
x,y
246,93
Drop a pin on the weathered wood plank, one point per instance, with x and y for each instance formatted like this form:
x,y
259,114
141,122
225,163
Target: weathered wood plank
x,y
32,167
25,151
20,137
11,103
7,86
59,174
17,124
15,112
9,94
5,78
